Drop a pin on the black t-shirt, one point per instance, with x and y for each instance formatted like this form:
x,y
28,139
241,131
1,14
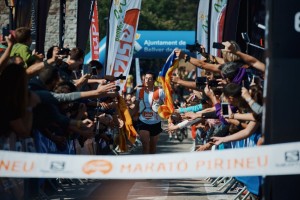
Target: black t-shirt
x,y
65,73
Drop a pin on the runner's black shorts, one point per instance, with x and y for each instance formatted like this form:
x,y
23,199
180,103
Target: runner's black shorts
x,y
154,129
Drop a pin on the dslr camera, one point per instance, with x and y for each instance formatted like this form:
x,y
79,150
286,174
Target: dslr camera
x,y
194,47
64,51
201,82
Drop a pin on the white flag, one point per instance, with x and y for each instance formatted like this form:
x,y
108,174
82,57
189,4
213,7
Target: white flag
x,y
123,23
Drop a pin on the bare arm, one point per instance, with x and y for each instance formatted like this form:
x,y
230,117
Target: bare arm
x,y
198,63
204,65
250,60
247,132
243,117
188,84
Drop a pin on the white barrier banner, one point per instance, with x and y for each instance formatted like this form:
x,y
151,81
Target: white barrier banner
x,y
279,159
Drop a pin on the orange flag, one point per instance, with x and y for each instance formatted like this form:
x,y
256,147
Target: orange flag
x,y
127,131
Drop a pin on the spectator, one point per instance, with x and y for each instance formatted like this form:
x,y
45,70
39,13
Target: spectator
x,y
21,48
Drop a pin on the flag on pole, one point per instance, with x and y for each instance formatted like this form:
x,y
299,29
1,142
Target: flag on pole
x,y
164,78
123,21
202,27
218,11
94,34
138,77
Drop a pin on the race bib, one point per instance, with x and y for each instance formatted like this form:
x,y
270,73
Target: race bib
x,y
148,114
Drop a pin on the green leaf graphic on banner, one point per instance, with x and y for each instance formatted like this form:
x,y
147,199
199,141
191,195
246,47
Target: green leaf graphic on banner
x,y
217,7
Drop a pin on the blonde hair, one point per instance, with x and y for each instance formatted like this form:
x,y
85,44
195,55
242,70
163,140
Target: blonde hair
x,y
230,57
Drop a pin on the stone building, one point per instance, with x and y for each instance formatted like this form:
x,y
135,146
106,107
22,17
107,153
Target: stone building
x,y
52,30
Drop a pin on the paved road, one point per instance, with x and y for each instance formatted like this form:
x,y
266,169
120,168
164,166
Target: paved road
x,y
183,189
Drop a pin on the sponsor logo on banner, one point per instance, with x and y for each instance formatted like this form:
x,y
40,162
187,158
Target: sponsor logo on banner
x,y
216,164
246,163
16,166
94,34
292,156
123,22
126,39
218,10
57,165
291,159
94,166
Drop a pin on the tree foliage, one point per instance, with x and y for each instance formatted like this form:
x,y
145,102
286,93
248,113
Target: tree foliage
x,y
157,15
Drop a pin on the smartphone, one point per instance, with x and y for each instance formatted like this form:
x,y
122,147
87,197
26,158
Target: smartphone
x,y
225,111
213,83
201,81
218,45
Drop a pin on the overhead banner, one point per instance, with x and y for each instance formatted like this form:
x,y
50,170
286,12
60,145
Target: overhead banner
x,y
279,159
202,27
94,34
123,23
152,44
218,12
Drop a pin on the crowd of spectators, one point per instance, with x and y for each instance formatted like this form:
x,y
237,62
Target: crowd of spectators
x,y
49,106
227,110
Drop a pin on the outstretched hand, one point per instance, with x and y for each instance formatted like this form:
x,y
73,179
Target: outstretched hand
x,y
106,88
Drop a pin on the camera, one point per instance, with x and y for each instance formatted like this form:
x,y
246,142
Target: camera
x,y
194,47
201,82
121,77
64,51
218,45
213,83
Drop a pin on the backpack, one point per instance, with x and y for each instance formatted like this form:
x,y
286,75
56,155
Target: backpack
x,y
154,105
